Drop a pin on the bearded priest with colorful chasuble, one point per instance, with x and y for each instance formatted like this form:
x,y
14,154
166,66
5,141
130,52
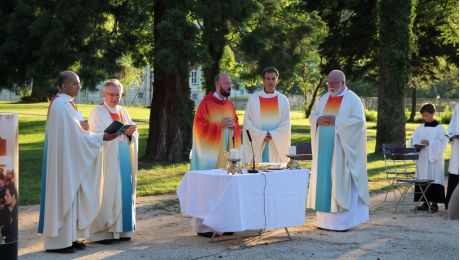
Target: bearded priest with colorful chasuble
x,y
215,132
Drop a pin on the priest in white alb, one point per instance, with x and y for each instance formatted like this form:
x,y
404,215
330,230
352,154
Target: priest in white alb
x,y
70,183
338,186
268,120
117,218
452,132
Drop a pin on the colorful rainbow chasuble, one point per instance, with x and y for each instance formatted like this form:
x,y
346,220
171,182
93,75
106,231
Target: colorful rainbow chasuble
x,y
325,155
270,117
210,139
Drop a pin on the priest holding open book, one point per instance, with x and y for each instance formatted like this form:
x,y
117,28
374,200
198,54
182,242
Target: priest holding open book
x,y
116,219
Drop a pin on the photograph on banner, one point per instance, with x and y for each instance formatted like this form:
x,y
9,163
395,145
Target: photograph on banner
x,y
8,179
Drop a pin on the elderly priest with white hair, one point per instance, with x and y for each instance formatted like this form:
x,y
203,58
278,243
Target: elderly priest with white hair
x,y
338,186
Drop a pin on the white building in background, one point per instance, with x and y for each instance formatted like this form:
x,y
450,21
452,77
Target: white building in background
x,y
141,95
8,95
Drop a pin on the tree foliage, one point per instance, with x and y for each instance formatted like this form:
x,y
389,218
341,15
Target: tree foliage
x,y
40,38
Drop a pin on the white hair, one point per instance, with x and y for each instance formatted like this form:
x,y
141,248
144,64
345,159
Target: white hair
x,y
113,83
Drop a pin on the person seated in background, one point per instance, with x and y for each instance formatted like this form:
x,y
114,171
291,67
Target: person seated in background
x,y
430,140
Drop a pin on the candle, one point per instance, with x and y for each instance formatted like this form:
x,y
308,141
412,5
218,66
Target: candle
x,y
233,154
292,150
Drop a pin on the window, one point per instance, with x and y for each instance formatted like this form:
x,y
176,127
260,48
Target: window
x,y
193,77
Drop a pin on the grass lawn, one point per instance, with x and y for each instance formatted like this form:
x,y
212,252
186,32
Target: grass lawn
x,y
152,178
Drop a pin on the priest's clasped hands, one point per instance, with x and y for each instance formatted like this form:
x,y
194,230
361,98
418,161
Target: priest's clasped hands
x,y
325,121
228,122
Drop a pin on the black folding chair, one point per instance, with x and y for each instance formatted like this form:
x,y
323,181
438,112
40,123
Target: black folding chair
x,y
405,176
304,152
391,171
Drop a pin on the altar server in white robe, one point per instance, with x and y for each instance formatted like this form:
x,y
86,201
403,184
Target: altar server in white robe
x,y
117,217
431,140
70,184
452,132
338,186
268,120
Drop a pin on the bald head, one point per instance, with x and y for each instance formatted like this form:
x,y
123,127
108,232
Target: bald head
x,y
335,82
69,83
65,77
336,75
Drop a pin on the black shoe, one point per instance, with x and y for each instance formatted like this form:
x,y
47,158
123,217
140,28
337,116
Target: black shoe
x,y
434,208
105,241
124,239
79,245
228,233
65,250
424,206
206,234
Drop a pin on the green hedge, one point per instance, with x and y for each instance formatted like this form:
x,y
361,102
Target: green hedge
x,y
443,117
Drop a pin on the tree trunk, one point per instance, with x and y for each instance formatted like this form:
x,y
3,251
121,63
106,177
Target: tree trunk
x,y
413,110
313,98
171,120
38,94
171,112
215,42
396,18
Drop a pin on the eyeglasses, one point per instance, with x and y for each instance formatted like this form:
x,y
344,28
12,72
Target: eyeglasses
x,y
333,82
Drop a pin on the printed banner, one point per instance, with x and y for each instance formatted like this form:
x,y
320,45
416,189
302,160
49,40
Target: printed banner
x,y
9,181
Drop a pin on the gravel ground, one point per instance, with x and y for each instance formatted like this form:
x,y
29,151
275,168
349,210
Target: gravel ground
x,y
162,233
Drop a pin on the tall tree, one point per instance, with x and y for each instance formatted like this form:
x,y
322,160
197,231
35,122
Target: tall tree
x,y
217,18
283,35
436,42
41,38
351,42
395,21
171,113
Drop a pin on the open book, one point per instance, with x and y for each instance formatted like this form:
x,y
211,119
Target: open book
x,y
116,126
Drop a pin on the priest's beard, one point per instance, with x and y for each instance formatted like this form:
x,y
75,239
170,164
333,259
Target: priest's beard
x,y
335,93
223,92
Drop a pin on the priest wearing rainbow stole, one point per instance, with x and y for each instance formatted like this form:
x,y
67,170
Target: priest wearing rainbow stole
x,y
215,131
338,185
117,218
70,181
268,120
